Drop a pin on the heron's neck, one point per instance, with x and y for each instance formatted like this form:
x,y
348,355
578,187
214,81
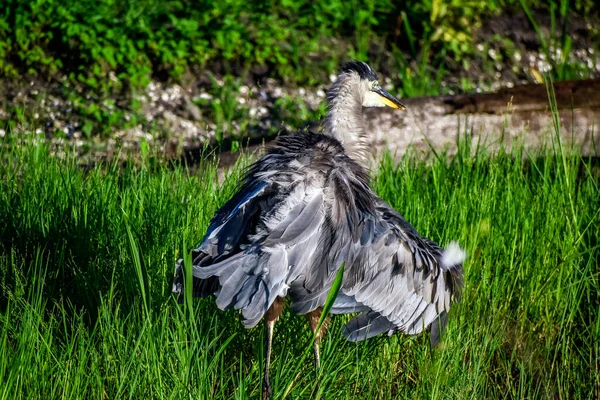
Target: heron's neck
x,y
345,122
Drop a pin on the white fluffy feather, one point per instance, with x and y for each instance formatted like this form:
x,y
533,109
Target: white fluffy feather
x,y
453,255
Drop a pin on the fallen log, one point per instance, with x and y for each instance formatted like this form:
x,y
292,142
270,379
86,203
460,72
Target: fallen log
x,y
526,115
522,115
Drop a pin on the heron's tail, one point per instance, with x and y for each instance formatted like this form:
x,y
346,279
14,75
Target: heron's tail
x,y
453,256
452,260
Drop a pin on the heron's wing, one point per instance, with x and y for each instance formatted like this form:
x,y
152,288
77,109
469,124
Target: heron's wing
x,y
226,231
287,227
401,277
252,278
366,325
233,221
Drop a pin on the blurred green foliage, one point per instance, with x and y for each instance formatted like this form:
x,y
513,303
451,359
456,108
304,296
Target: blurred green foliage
x,y
109,44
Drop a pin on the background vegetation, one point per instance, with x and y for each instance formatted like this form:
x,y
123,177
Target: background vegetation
x,y
97,56
106,44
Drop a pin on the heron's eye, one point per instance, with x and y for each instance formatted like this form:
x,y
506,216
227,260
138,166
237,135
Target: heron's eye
x,y
374,84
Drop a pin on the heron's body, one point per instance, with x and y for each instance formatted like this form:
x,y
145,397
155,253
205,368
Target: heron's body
x,y
304,209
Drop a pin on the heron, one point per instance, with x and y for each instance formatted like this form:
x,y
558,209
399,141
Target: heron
x,y
306,208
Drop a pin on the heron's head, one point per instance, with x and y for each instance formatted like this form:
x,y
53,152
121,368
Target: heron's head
x,y
363,80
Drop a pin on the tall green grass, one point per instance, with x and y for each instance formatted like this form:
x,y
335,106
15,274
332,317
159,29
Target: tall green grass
x,y
87,257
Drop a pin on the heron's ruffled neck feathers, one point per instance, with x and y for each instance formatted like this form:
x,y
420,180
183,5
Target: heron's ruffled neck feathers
x,y
344,120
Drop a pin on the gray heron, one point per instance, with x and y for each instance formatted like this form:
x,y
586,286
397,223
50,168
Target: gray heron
x,y
304,209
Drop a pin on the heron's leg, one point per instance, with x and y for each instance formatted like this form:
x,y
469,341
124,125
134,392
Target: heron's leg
x,y
266,386
271,316
317,355
313,319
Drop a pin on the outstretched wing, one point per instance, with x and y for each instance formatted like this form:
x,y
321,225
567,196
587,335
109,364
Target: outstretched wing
x,y
234,220
225,234
285,230
406,281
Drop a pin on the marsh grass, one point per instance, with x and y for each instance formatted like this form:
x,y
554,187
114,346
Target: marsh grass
x,y
87,258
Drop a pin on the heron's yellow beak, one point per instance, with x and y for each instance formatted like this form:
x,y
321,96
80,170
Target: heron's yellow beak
x,y
388,100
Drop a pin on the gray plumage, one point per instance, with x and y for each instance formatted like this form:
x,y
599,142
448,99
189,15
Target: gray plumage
x,y
304,209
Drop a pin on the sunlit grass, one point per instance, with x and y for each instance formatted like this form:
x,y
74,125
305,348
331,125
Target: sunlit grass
x,y
87,257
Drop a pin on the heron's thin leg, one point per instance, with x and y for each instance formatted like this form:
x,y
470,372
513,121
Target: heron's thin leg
x,y
313,319
266,387
271,316
317,356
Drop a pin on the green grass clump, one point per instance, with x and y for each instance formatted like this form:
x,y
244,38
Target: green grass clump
x,y
87,258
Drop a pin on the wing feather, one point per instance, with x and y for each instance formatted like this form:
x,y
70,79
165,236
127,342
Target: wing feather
x,y
417,287
367,325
